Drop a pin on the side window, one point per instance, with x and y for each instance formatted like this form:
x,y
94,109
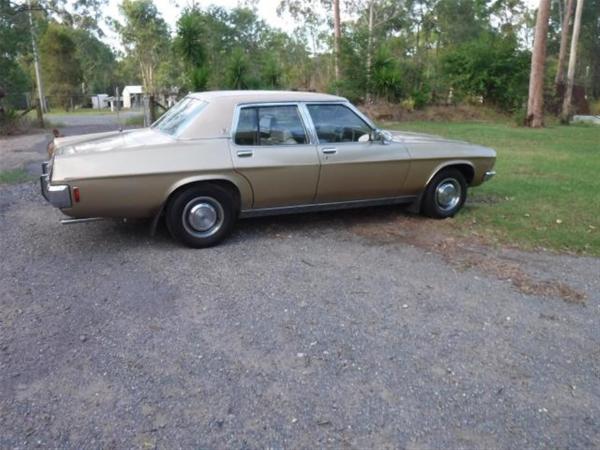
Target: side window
x,y
337,123
270,125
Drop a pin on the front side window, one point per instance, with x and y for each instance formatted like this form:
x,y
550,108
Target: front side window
x,y
270,125
176,119
338,123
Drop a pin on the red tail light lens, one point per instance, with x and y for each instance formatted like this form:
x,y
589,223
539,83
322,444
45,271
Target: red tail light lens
x,y
76,196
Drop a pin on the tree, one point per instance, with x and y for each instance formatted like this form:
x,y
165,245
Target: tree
x,y
61,67
271,73
337,38
535,104
566,110
190,45
97,61
237,70
492,66
564,42
14,40
145,34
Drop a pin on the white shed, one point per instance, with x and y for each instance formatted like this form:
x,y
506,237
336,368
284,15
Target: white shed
x,y
99,101
132,95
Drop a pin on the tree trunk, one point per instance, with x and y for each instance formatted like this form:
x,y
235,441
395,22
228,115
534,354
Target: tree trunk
x,y
564,41
566,111
370,51
535,104
337,37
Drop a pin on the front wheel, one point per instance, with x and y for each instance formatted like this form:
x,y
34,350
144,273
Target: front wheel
x,y
445,194
201,216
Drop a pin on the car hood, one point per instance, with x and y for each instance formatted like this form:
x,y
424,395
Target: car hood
x,y
407,137
111,141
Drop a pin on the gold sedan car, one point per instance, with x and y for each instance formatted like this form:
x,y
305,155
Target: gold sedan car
x,y
218,156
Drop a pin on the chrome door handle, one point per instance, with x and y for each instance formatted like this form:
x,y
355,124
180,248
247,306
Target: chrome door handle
x,y
329,151
245,153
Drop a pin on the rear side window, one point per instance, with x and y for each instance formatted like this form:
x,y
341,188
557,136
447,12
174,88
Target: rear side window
x,y
337,123
270,125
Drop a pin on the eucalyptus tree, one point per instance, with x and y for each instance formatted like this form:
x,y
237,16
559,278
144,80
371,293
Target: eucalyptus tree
x,y
535,102
145,35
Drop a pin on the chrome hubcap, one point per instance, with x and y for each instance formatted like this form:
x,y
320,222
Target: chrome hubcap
x,y
202,216
447,194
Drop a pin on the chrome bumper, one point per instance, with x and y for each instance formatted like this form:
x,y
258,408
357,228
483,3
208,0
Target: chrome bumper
x,y
59,195
489,175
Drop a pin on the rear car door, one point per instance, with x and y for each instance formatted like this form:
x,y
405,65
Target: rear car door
x,y
352,166
272,148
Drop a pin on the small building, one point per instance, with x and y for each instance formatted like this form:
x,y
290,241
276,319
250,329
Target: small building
x,y
99,101
132,96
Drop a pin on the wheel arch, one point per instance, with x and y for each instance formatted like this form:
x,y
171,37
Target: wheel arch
x,y
241,191
464,166
221,181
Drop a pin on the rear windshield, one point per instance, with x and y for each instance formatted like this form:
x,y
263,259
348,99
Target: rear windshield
x,y
176,119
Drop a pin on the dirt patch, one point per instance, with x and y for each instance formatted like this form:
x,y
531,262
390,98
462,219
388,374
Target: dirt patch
x,y
465,253
391,112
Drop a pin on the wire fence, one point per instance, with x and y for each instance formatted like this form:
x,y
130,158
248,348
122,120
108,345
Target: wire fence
x,y
60,103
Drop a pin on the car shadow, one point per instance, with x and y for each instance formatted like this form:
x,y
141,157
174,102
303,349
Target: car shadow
x,y
325,221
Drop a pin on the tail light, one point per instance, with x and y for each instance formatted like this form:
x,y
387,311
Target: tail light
x,y
76,196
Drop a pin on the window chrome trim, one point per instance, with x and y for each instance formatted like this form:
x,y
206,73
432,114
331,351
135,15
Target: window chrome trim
x,y
236,119
346,104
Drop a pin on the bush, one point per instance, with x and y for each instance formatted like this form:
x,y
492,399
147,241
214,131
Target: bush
x,y
492,67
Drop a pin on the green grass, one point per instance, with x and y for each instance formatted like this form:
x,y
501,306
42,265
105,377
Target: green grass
x,y
14,176
134,121
547,191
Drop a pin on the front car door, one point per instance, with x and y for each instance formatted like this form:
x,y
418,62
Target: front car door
x,y
352,166
272,148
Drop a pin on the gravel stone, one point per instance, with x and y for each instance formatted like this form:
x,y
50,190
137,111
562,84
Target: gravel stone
x,y
292,334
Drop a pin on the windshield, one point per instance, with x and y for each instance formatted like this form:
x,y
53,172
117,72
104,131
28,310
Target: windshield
x,y
176,119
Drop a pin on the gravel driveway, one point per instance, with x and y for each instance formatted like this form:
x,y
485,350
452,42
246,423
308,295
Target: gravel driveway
x,y
358,329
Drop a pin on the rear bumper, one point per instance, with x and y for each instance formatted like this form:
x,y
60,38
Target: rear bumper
x,y
57,195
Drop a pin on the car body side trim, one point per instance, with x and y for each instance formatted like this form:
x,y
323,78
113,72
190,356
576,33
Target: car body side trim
x,y
259,212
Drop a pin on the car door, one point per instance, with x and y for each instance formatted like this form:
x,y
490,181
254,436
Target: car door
x,y
352,166
272,148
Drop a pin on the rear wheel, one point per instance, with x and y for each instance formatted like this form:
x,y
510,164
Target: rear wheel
x,y
201,216
445,194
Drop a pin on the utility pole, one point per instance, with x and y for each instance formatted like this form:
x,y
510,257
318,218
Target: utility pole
x,y
566,109
36,62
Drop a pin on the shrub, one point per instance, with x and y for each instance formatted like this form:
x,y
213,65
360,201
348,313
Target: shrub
x,y
492,67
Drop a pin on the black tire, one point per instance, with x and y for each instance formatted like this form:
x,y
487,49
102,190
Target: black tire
x,y
209,224
451,197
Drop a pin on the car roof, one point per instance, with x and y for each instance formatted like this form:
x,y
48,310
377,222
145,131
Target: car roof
x,y
216,118
266,96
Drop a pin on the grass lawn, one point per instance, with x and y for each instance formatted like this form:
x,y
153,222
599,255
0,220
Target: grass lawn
x,y
547,190
14,176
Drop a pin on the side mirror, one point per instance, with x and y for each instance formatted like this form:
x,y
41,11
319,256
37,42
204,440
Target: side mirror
x,y
378,135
